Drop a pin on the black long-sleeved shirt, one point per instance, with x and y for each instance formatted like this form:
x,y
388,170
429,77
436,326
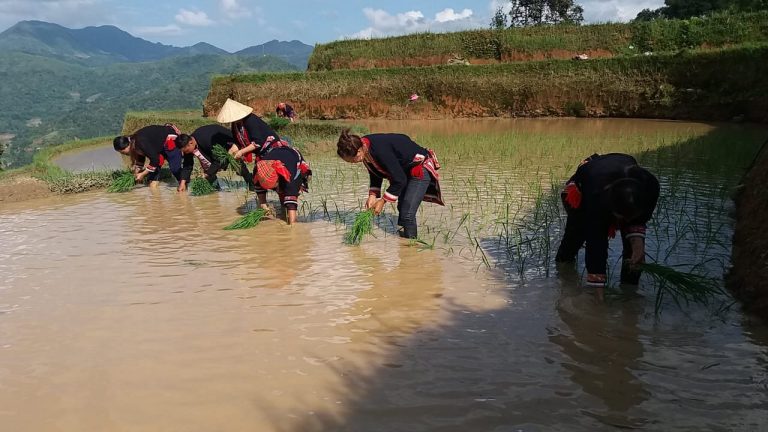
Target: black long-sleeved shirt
x,y
207,137
149,143
252,130
393,157
593,179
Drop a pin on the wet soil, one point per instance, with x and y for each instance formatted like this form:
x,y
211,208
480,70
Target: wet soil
x,y
749,276
21,188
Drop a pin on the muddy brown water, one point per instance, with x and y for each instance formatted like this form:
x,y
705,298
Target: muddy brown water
x,y
137,312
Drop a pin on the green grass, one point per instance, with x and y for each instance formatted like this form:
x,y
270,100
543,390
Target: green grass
x,y
539,42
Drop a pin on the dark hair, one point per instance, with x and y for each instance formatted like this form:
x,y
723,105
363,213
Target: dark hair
x,y
626,198
121,142
182,140
348,144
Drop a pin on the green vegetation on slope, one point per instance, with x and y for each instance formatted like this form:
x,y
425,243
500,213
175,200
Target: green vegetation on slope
x,y
541,42
711,84
45,101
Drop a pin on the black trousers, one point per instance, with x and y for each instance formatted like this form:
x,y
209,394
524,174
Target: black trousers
x,y
575,236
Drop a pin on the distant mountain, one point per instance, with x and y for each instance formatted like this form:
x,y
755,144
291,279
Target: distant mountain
x,y
108,44
294,52
46,101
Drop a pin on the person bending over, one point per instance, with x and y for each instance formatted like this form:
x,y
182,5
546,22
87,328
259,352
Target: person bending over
x,y
152,145
607,193
283,169
199,145
249,130
410,169
285,110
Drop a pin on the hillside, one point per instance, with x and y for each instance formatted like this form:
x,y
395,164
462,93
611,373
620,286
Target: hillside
x,y
294,52
46,101
542,42
704,85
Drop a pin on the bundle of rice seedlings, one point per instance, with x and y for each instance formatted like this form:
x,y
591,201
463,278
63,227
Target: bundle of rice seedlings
x,y
276,122
200,186
681,286
122,182
362,226
225,156
250,220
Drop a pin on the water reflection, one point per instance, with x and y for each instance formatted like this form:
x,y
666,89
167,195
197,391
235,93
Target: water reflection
x,y
602,359
149,316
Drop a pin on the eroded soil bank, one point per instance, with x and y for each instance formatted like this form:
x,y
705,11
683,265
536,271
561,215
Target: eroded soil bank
x,y
749,277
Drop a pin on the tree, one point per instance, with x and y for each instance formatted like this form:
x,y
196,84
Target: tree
x,y
524,13
499,20
684,9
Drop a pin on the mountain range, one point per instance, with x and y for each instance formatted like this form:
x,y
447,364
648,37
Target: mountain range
x,y
108,44
59,83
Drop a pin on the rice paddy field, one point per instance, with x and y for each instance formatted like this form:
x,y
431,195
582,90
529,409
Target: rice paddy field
x,y
471,327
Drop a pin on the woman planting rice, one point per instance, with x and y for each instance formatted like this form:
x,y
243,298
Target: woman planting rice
x,y
200,145
154,143
248,129
606,193
410,169
281,168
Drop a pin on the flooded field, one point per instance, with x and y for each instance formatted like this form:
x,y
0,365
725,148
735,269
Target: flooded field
x,y
137,312
90,159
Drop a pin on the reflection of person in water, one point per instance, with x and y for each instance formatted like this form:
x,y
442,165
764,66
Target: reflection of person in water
x,y
153,145
410,168
608,192
603,351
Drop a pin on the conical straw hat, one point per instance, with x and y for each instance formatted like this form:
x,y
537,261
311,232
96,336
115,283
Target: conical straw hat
x,y
233,111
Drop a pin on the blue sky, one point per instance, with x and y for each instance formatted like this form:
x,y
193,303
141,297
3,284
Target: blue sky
x,y
236,24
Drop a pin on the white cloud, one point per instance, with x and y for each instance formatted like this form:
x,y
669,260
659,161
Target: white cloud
x,y
598,10
447,15
166,30
383,23
616,10
193,18
235,9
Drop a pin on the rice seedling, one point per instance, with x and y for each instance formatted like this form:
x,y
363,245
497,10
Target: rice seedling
x,y
200,186
226,157
123,181
361,226
682,287
249,220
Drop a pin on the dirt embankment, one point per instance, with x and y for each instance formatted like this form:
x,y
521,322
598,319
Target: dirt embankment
x,y
749,278
21,188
